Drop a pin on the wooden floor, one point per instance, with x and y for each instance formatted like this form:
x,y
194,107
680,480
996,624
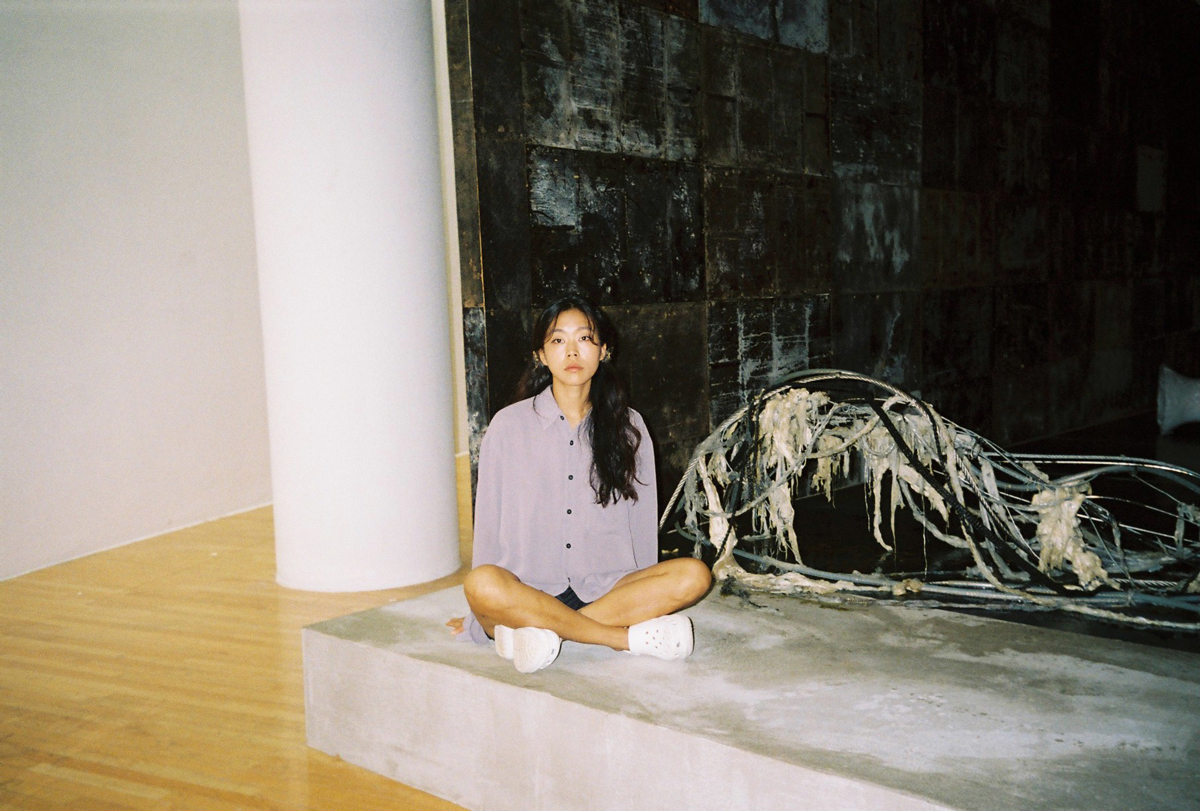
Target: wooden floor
x,y
167,675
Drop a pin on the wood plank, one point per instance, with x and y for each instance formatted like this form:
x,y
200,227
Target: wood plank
x,y
168,674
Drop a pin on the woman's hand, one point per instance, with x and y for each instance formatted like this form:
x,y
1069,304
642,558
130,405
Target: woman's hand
x,y
455,625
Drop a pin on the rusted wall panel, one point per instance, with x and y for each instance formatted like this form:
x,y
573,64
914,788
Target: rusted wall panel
x,y
626,229
875,236
995,202
879,334
663,357
754,342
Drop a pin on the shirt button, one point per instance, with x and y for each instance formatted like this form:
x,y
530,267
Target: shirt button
x,y
571,478
568,546
572,442
568,512
562,417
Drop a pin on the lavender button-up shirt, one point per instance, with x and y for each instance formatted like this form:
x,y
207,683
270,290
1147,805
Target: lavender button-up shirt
x,y
536,513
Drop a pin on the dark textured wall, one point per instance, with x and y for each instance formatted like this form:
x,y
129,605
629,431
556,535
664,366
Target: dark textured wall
x,y
994,204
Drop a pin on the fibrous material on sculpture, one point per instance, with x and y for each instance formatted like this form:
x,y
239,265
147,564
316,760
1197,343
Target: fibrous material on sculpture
x,y
1032,531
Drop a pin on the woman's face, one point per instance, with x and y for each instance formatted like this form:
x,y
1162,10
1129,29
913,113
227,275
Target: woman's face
x,y
572,350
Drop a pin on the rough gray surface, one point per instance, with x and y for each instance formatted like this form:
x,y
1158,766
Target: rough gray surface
x,y
878,706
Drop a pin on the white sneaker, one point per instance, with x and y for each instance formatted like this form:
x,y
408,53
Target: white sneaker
x,y
668,638
534,648
504,641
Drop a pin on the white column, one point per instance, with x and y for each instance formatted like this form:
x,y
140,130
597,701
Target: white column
x,y
344,162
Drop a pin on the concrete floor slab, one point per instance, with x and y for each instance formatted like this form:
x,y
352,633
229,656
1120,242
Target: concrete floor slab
x,y
785,705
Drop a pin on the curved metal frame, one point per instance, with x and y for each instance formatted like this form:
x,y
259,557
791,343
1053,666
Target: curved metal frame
x,y
1035,540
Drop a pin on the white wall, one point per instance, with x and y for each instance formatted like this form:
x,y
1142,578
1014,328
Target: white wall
x,y
131,379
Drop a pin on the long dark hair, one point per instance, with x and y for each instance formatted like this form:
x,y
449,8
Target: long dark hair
x,y
613,438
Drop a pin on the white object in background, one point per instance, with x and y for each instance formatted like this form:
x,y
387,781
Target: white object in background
x,y
1178,400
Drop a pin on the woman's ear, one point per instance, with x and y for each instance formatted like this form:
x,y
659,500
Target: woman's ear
x,y
604,353
538,360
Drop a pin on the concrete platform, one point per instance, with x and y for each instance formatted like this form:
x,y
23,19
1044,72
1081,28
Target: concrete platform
x,y
787,706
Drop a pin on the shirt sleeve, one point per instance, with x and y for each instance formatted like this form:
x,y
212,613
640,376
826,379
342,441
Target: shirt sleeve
x,y
643,514
488,492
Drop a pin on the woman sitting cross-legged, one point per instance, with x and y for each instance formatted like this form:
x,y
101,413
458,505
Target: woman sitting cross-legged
x,y
566,535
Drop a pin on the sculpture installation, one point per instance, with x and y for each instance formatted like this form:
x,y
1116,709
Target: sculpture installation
x,y
1020,530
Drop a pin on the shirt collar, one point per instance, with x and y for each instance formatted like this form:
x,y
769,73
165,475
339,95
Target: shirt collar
x,y
546,408
548,411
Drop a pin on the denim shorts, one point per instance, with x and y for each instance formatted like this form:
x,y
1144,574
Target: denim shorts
x,y
570,599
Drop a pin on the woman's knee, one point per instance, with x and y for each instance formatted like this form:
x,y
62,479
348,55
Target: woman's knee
x,y
692,578
485,586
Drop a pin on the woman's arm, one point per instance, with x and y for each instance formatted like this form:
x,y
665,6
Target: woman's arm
x,y
485,547
488,495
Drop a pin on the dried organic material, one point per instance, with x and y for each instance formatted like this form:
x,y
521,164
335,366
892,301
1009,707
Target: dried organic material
x,y
1030,539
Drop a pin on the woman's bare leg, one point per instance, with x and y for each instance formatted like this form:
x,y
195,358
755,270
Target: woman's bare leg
x,y
656,591
497,597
